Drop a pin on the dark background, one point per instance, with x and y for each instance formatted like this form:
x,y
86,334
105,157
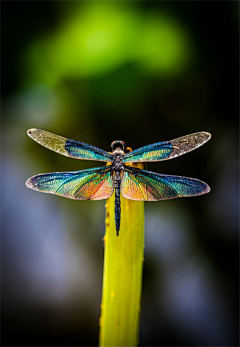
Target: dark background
x,y
142,72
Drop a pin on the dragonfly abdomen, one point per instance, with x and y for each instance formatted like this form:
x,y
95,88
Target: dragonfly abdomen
x,y
117,201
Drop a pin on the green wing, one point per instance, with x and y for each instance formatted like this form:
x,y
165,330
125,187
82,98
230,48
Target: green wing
x,y
90,184
149,186
167,149
69,148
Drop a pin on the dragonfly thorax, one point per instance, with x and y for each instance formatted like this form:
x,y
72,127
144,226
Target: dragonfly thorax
x,y
118,148
117,164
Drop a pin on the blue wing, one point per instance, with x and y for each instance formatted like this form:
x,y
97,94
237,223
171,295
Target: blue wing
x,y
149,186
69,148
168,149
90,184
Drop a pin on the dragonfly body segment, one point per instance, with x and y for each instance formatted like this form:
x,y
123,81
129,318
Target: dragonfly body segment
x,y
100,183
118,148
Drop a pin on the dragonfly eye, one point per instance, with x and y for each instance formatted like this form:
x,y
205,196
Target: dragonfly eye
x,y
118,144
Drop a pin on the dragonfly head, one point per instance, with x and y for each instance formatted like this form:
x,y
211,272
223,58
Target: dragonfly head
x,y
118,145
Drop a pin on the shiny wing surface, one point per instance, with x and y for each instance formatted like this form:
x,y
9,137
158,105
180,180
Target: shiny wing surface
x,y
149,186
168,149
69,148
91,184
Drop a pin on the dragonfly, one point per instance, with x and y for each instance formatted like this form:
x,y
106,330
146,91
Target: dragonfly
x,y
133,183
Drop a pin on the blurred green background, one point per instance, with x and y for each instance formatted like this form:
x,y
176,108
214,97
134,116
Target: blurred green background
x,y
141,72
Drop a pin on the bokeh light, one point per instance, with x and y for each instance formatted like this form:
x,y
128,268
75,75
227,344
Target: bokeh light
x,y
99,37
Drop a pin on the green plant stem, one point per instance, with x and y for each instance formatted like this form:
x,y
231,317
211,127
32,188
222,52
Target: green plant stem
x,y
122,276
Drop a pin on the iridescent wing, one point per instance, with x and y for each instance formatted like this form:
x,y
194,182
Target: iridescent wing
x,y
149,186
91,184
168,149
69,148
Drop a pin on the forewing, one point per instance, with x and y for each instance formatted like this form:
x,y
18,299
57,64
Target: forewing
x,y
168,149
69,148
91,184
149,186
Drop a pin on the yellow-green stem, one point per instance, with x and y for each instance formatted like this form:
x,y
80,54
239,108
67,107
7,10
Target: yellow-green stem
x,y
122,275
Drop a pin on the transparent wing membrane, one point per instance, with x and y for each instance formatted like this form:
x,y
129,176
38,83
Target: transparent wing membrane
x,y
168,149
69,148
